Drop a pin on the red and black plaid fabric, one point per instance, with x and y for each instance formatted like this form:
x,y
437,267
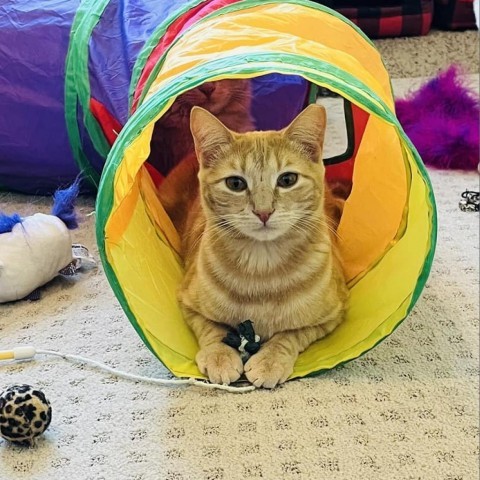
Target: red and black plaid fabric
x,y
393,18
454,14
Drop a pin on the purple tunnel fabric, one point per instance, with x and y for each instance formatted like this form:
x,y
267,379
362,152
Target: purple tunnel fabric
x,y
35,152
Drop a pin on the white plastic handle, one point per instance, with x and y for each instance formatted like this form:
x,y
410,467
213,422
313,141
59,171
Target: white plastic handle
x,y
18,353
24,353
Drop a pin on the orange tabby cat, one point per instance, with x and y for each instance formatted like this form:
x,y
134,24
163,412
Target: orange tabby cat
x,y
258,244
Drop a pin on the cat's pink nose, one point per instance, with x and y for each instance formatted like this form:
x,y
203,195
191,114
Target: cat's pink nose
x,y
263,215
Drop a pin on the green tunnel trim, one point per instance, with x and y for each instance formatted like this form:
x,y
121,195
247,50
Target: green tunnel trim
x,y
245,65
77,81
239,6
150,45
77,87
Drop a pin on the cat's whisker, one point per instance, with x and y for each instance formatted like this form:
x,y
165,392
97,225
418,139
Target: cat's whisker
x,y
316,224
189,234
322,225
217,230
209,230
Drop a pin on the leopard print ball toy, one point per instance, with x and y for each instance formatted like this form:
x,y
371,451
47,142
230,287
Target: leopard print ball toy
x,y
25,413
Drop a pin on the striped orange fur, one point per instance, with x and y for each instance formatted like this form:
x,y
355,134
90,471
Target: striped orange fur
x,y
265,253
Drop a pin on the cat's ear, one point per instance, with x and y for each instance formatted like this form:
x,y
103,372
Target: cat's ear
x,y
210,135
308,131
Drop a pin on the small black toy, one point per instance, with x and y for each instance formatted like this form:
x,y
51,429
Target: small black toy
x,y
25,413
244,340
470,202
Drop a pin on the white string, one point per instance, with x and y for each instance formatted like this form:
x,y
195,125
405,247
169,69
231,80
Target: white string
x,y
158,381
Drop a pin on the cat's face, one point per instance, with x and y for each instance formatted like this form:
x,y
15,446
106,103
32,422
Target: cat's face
x,y
261,185
214,97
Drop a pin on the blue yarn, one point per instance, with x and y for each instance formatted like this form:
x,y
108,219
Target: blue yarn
x,y
64,205
7,222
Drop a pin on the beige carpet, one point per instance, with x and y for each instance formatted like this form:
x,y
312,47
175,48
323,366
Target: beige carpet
x,y
424,56
406,410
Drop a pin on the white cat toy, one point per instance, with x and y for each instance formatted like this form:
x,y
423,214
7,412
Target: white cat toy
x,y
35,249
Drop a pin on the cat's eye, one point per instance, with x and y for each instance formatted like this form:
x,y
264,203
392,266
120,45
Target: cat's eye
x,y
236,184
287,180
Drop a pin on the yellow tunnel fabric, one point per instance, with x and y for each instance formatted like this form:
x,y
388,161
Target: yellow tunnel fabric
x,y
282,28
387,230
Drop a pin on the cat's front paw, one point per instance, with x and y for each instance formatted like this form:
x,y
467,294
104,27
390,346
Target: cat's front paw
x,y
268,368
221,363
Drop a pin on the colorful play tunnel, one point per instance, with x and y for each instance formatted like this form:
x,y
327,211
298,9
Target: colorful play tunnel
x,y
127,62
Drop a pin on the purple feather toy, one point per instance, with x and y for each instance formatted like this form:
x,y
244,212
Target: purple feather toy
x,y
442,121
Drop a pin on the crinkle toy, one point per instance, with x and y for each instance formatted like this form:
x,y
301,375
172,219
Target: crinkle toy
x,y
35,249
